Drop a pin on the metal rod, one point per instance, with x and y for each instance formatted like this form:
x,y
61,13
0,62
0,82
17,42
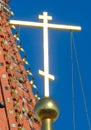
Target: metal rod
x,y
47,124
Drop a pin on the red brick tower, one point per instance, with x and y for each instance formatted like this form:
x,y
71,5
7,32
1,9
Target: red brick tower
x,y
16,98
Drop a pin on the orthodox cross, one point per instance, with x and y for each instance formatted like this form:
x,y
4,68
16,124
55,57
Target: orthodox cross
x,y
45,25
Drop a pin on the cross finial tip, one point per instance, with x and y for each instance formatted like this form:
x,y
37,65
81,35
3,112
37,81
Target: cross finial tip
x,y
45,13
45,16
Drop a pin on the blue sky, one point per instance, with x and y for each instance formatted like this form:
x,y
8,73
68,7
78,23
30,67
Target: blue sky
x,y
63,12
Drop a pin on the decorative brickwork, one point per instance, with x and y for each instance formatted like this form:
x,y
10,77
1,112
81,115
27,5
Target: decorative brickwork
x,y
16,98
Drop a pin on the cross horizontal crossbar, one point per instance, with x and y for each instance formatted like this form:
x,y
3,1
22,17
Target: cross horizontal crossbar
x,y
41,25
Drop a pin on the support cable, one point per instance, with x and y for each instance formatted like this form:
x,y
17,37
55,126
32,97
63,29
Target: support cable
x,y
73,105
81,82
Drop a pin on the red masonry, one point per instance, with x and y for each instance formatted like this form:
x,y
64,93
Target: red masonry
x,y
17,100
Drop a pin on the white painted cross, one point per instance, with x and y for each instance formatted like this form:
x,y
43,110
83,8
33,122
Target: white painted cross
x,y
46,74
45,25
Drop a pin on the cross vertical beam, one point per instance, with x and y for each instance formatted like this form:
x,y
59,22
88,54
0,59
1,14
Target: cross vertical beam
x,y
46,75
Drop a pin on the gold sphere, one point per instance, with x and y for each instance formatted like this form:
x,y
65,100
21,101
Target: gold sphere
x,y
46,108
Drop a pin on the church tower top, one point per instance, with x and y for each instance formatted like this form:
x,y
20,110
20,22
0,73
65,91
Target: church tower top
x,y
5,8
6,1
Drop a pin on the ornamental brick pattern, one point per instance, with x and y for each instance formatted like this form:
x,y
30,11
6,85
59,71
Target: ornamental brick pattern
x,y
17,100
